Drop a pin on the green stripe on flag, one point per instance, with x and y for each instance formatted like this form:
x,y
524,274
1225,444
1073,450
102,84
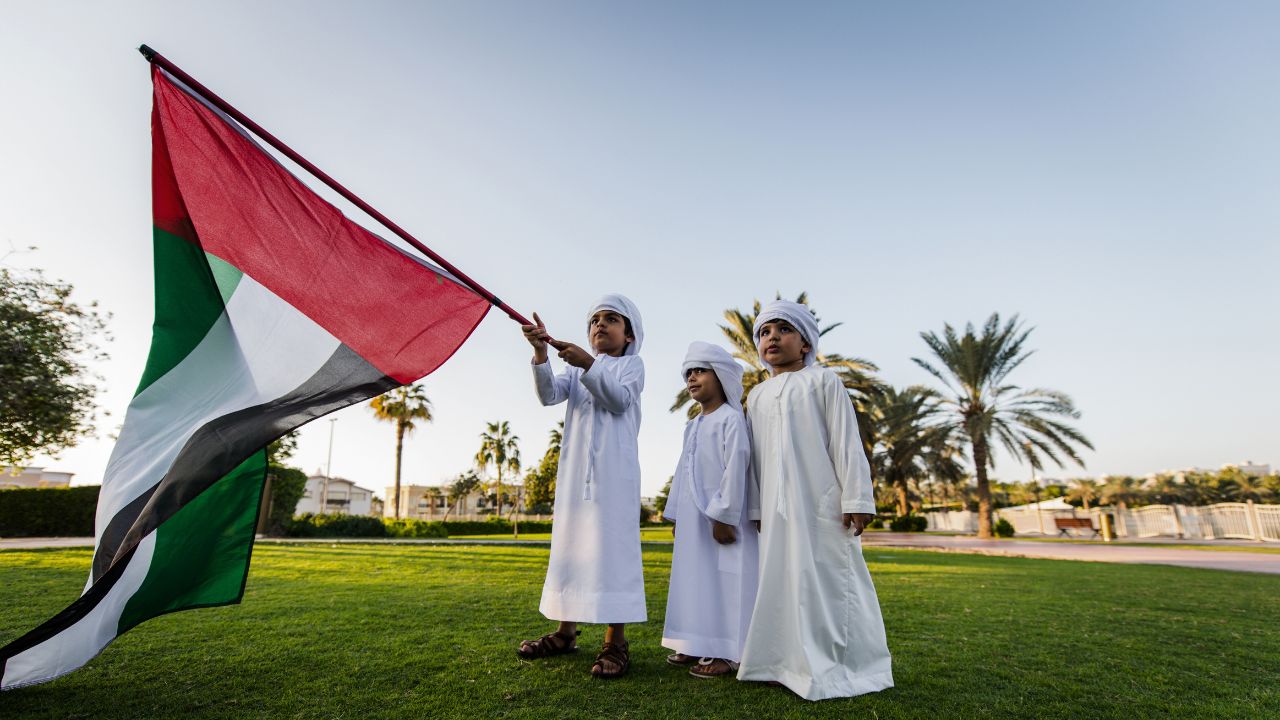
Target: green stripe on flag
x,y
190,297
225,275
202,552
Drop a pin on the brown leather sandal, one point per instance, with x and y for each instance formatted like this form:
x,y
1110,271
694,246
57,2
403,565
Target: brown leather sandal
x,y
713,668
681,660
549,645
617,654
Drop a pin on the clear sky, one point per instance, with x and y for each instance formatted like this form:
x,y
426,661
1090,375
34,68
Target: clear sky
x,y
1110,171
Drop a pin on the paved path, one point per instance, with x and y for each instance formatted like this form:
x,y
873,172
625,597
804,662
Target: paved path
x,y
1149,553
1152,554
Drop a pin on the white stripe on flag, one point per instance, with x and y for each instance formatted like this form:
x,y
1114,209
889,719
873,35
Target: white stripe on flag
x,y
82,642
260,349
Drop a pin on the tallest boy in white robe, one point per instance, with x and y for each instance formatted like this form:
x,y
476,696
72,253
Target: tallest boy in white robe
x,y
817,627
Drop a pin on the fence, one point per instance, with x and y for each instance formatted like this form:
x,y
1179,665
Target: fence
x,y
1242,521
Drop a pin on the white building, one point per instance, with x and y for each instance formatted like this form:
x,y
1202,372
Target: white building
x,y
427,502
33,477
338,495
1249,467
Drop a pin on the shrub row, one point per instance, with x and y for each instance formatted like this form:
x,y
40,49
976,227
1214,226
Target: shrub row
x,y
909,523
358,526
48,512
494,526
337,525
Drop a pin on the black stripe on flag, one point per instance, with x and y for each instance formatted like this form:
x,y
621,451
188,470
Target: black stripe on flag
x,y
74,613
223,443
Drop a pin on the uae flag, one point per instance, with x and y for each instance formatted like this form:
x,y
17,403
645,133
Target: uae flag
x,y
272,309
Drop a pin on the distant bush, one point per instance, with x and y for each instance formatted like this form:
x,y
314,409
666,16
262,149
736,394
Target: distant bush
x,y
1003,528
337,525
909,523
360,526
877,524
409,528
48,512
494,526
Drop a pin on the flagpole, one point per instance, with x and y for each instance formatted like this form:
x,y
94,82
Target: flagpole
x,y
156,58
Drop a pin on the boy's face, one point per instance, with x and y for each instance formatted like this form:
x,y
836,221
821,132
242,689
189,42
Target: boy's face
x,y
607,331
781,345
704,387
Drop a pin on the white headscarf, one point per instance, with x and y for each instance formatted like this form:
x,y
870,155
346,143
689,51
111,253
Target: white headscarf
x,y
799,317
622,305
719,361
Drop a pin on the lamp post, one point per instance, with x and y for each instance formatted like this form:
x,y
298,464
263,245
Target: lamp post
x,y
328,471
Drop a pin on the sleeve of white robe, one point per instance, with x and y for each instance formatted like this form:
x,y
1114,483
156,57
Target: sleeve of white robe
x,y
552,389
615,394
844,443
673,493
726,505
753,481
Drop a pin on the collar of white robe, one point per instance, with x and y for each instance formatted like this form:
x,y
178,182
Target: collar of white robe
x,y
799,317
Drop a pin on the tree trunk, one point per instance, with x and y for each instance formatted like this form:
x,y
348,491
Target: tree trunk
x,y
395,505
499,494
984,489
904,508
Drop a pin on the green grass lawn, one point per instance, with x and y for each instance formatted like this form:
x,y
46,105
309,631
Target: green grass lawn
x,y
362,631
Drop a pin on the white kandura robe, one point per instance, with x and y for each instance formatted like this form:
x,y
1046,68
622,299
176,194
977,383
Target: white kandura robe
x,y
713,586
595,573
816,627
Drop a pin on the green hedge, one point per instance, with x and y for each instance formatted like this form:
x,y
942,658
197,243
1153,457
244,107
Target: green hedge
x,y
409,528
48,512
360,526
338,525
494,526
909,523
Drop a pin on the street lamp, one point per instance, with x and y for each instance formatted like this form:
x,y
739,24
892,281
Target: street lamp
x,y
328,471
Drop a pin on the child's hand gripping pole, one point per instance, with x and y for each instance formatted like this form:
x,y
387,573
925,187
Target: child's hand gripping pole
x,y
539,338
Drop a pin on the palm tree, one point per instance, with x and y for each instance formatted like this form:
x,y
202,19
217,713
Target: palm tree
x,y
432,494
498,447
910,443
540,483
459,489
1119,489
983,407
402,406
857,374
1085,490
1165,490
1239,486
943,462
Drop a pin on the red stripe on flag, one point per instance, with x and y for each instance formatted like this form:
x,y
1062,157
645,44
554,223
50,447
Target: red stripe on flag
x,y
166,201
248,210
